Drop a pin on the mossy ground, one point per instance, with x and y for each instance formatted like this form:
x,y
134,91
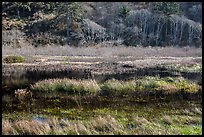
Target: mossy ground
x,y
156,117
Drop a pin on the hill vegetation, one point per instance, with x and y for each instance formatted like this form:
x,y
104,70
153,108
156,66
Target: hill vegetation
x,y
127,23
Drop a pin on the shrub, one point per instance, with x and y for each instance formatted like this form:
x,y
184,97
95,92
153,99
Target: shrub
x,y
13,59
23,94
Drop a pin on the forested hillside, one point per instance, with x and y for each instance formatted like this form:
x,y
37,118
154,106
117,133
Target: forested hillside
x,y
127,23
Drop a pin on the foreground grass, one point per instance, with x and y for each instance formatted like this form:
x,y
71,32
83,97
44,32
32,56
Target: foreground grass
x,y
105,121
106,115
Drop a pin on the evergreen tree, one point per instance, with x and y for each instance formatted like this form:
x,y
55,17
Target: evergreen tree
x,y
166,8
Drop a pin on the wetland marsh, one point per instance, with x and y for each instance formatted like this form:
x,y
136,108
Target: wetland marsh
x,y
154,95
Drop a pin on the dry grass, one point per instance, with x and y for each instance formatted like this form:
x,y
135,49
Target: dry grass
x,y
54,126
66,86
100,125
27,127
23,94
167,119
7,128
155,85
104,51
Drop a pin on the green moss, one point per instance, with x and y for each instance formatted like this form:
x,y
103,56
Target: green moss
x,y
13,59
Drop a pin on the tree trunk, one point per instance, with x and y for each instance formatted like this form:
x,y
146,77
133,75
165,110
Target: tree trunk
x,y
18,12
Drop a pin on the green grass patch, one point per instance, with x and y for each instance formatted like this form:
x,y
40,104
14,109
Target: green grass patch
x,y
188,129
156,85
67,86
197,67
13,59
167,85
116,87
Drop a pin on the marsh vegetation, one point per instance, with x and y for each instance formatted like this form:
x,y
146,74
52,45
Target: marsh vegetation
x,y
101,68
166,100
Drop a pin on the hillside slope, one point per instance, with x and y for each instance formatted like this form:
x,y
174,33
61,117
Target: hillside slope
x,y
127,23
